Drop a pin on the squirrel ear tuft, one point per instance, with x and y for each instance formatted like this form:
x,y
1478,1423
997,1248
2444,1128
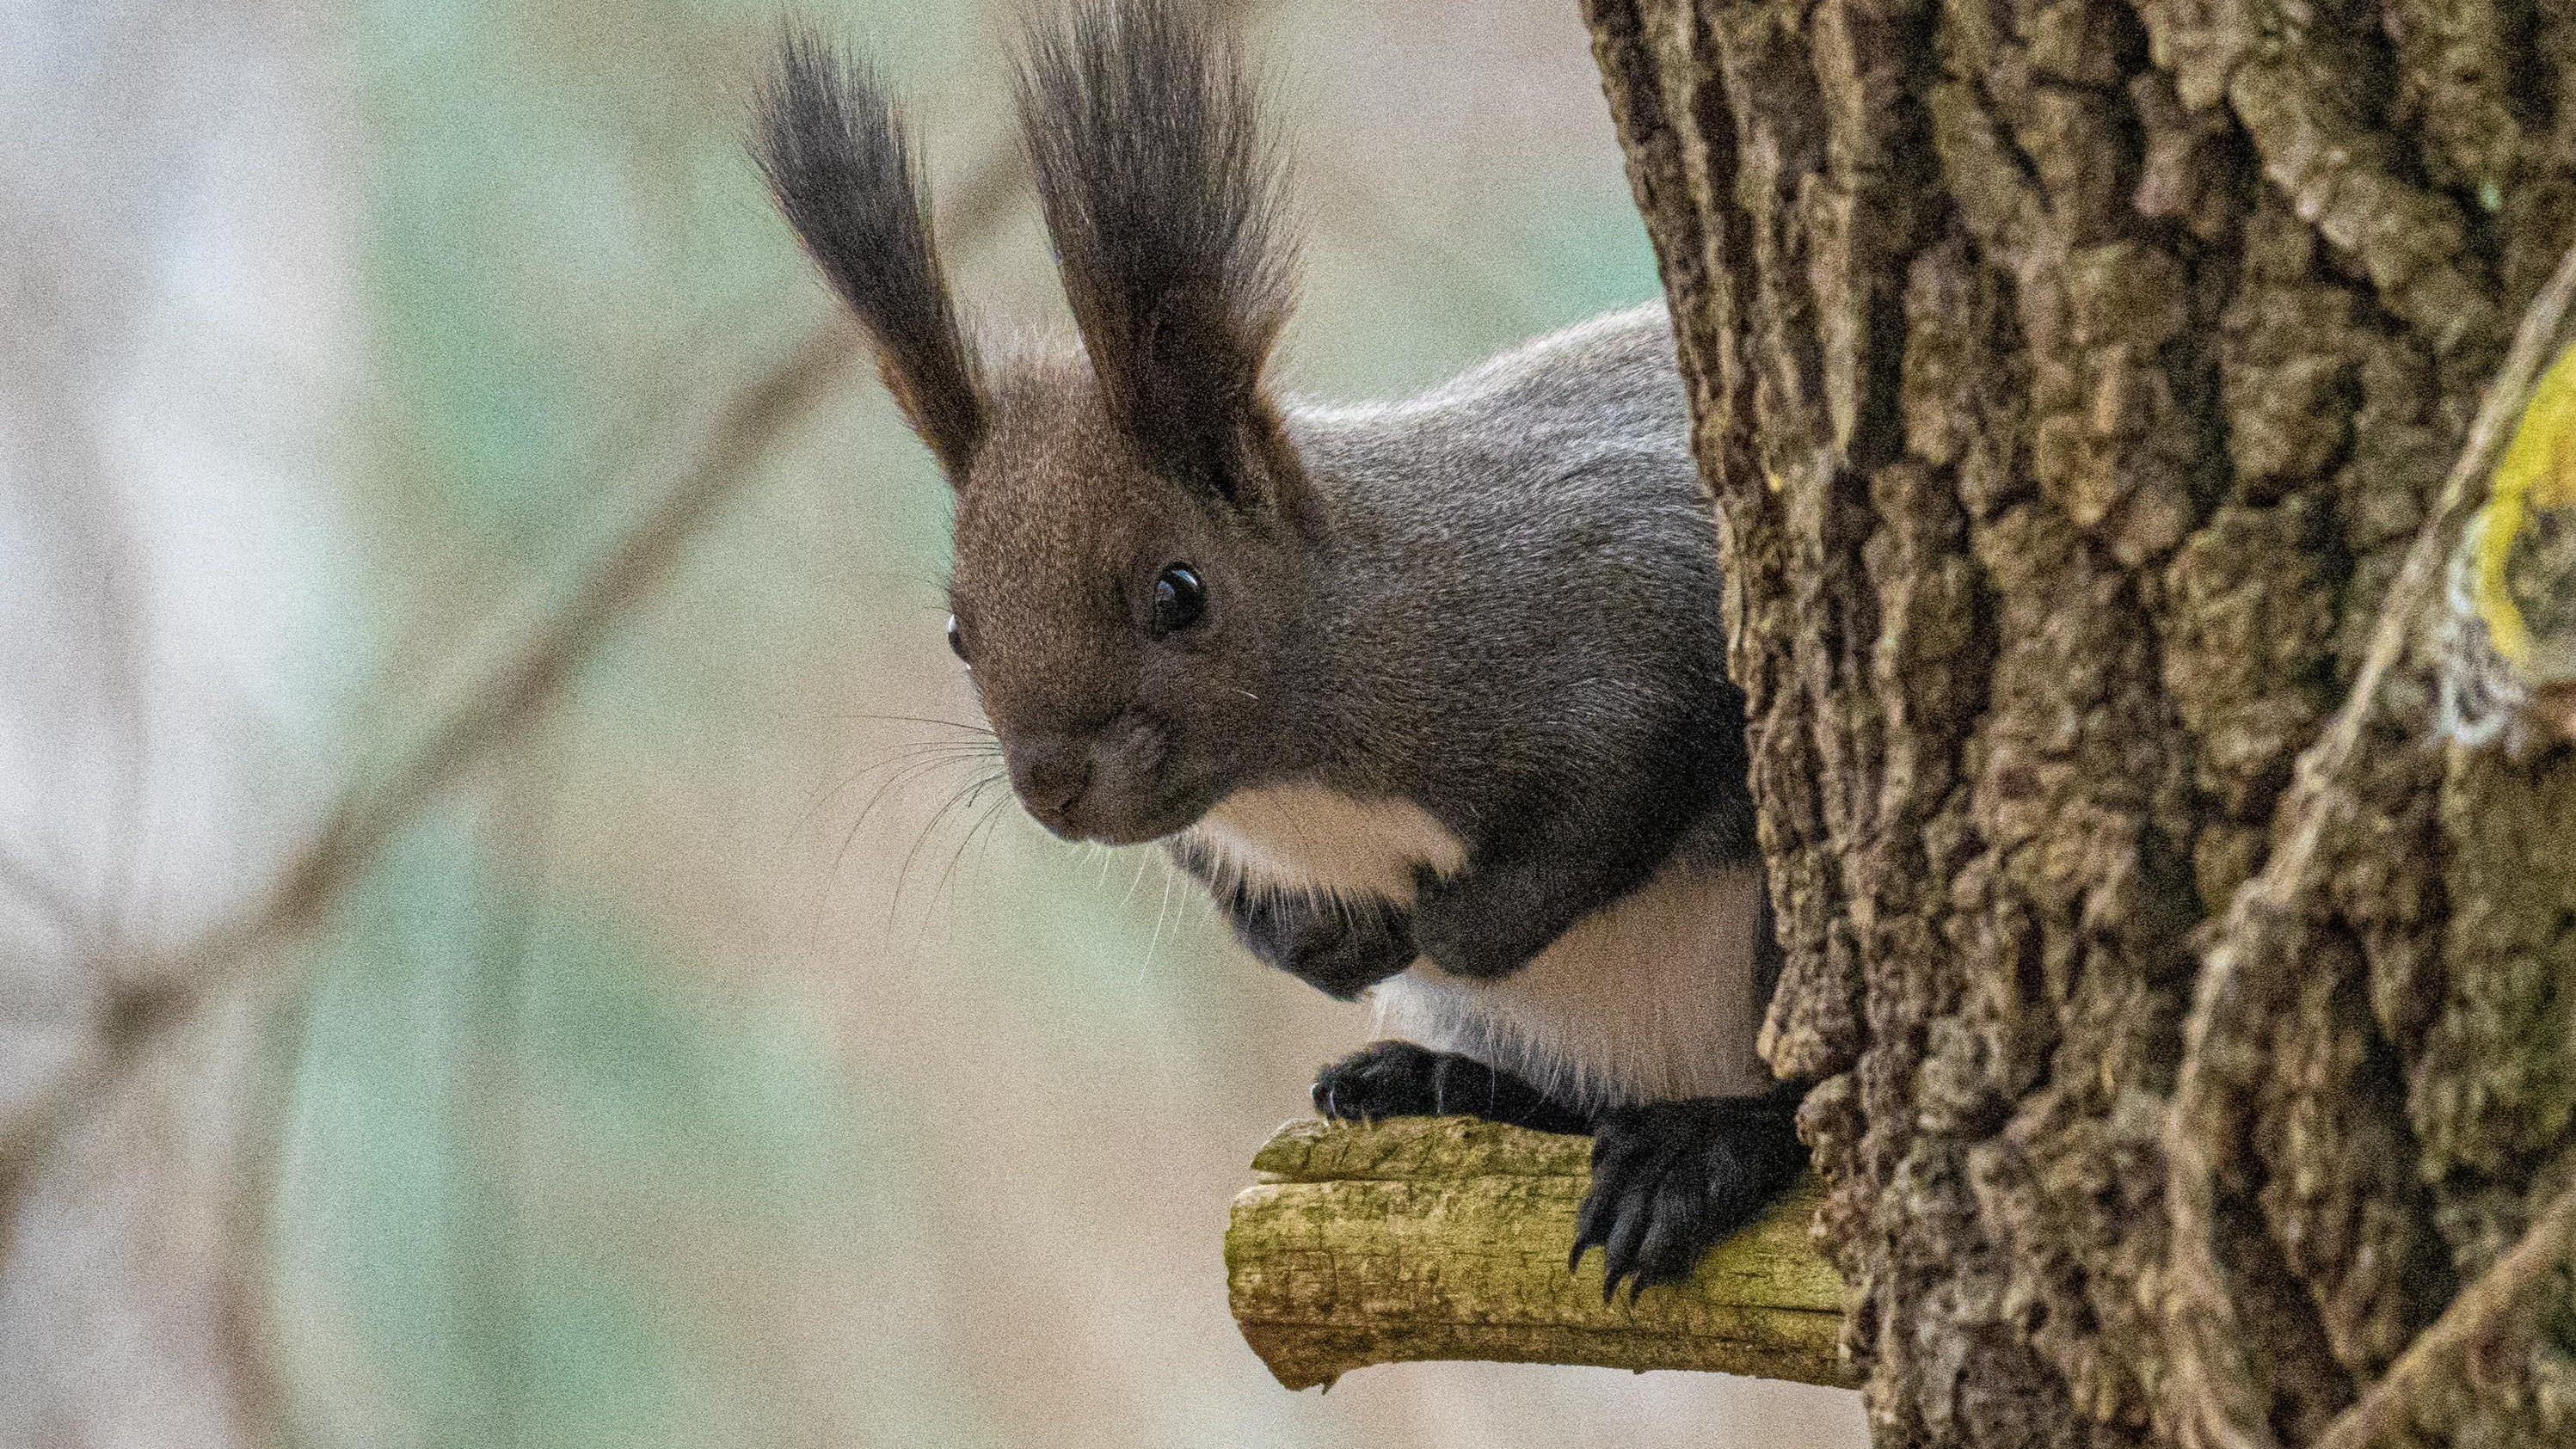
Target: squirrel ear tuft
x,y
1164,200
838,162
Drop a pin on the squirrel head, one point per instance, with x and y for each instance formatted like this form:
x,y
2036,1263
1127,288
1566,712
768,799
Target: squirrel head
x,y
1132,522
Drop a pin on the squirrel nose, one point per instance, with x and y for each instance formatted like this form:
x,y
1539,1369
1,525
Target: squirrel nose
x,y
1051,773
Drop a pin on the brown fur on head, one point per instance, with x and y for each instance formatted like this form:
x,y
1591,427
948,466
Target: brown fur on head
x,y
1087,486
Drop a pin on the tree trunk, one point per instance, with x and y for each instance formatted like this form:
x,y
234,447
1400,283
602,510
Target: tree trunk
x,y
2074,377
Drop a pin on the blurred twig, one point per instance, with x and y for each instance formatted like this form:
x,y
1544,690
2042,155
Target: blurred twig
x,y
688,485
30,885
532,670
528,672
535,666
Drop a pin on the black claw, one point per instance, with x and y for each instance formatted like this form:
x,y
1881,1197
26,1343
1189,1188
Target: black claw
x,y
1671,1179
1619,1254
1583,1239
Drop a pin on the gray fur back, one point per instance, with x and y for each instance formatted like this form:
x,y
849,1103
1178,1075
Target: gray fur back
x,y
1522,573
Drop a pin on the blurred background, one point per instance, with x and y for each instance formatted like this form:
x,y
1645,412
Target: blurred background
x,y
493,950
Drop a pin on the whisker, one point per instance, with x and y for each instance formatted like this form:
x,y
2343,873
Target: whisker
x,y
904,873
893,782
1135,880
901,755
974,794
980,835
994,814
1160,911
924,719
866,771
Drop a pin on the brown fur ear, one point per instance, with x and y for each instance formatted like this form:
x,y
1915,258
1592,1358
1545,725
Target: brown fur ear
x,y
835,153
1163,199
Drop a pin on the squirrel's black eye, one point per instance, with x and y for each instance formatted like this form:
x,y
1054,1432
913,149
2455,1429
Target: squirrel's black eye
x,y
1179,599
956,640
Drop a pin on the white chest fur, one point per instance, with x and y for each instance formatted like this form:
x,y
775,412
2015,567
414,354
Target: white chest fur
x,y
1649,999
1312,840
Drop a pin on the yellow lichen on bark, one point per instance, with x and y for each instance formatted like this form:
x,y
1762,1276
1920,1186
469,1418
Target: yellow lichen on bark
x,y
1446,1238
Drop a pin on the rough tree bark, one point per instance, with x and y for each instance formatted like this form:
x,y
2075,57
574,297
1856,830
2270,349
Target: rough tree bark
x,y
2073,377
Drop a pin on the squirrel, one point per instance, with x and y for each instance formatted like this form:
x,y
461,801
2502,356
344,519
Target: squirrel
x,y
1430,695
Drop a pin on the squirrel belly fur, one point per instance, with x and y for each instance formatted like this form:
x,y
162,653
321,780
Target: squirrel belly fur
x,y
1646,999
1430,695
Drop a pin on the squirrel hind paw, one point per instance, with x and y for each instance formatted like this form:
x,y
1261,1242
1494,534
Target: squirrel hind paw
x,y
1670,1180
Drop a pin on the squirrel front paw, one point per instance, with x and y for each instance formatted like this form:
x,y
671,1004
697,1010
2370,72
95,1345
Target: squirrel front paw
x,y
1338,947
1672,1179
1400,1079
1476,925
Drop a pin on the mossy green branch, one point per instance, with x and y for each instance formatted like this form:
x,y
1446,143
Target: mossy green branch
x,y
1446,1238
